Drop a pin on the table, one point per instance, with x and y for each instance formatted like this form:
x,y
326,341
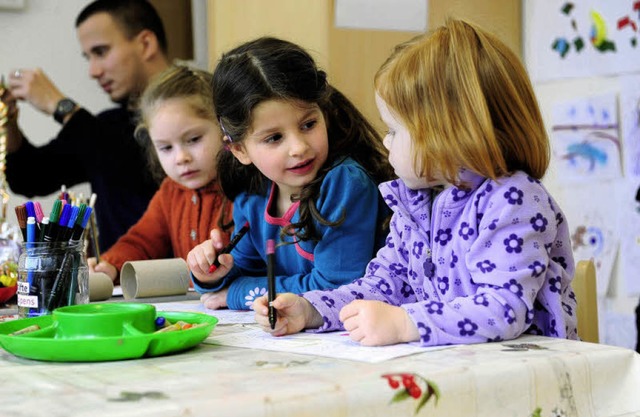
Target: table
x,y
530,376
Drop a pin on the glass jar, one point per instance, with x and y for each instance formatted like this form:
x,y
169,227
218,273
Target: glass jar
x,y
51,275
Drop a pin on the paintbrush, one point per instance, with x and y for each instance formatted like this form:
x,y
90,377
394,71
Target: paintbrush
x,y
21,214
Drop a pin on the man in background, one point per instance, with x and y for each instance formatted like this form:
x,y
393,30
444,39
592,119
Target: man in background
x,y
125,45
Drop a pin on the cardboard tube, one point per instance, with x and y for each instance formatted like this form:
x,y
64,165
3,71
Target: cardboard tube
x,y
154,278
100,286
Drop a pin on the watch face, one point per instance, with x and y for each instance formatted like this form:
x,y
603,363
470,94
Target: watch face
x,y
64,107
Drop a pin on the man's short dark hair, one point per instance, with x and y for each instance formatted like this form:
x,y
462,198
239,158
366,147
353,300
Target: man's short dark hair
x,y
133,16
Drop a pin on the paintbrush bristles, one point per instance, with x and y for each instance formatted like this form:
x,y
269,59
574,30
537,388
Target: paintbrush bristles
x,y
21,214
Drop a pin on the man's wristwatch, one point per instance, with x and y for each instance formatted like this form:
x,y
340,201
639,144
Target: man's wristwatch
x,y
64,107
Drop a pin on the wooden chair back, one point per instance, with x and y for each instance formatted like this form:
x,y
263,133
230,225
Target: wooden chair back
x,y
584,286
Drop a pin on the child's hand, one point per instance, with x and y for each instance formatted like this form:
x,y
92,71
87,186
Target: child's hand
x,y
202,256
294,314
374,323
104,267
215,300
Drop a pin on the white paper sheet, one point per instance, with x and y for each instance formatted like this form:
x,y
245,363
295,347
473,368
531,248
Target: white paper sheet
x,y
585,140
629,258
333,344
404,15
591,213
223,316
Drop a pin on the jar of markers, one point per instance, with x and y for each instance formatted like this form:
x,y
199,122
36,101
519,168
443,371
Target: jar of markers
x,y
51,275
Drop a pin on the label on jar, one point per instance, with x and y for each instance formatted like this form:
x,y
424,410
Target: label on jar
x,y
30,301
23,287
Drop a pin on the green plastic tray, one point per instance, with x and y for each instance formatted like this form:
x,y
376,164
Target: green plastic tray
x,y
103,332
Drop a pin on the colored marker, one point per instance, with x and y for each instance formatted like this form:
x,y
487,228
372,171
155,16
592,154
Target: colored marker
x,y
39,213
271,282
51,232
31,237
43,228
67,227
81,223
93,228
31,209
31,230
230,246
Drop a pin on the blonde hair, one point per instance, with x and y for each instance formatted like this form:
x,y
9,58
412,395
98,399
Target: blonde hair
x,y
467,102
191,85
176,82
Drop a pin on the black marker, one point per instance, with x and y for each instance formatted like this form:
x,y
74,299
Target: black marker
x,y
271,282
230,246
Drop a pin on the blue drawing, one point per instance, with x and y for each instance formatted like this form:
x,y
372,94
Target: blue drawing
x,y
590,238
585,151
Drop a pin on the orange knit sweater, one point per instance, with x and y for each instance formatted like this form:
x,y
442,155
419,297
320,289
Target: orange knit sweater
x,y
176,220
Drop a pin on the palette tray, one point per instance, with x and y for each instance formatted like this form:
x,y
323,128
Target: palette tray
x,y
103,332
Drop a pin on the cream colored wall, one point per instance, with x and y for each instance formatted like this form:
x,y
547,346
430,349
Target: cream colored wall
x,y
351,57
305,22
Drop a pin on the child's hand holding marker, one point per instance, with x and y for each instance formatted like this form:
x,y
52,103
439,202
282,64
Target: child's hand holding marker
x,y
210,260
203,256
294,314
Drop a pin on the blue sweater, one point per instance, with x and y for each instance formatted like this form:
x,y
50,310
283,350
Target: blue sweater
x,y
339,257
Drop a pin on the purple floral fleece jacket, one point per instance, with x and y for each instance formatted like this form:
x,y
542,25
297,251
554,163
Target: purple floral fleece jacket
x,y
470,266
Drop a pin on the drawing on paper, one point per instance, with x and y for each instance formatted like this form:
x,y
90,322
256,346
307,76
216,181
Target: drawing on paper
x,y
585,142
594,228
589,239
630,117
592,240
632,142
597,33
586,38
629,258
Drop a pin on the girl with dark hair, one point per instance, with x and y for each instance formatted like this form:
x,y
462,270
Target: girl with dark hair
x,y
302,167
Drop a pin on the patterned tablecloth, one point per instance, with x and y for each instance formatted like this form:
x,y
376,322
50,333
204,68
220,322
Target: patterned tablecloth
x,y
531,376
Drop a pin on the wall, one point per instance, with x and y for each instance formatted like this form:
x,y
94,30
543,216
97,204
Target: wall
x,y
42,34
351,57
616,309
356,55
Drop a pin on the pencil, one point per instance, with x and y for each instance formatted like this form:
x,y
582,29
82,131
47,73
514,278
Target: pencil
x,y
271,282
230,246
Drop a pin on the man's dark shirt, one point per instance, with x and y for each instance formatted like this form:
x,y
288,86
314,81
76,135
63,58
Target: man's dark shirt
x,y
100,150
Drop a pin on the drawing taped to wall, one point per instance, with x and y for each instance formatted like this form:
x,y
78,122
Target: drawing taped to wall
x,y
577,39
585,139
594,228
630,116
630,237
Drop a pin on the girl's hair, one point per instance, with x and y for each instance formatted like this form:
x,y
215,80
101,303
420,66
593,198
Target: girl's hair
x,y
467,103
274,69
191,85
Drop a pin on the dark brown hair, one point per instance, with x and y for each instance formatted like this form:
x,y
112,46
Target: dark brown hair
x,y
270,68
